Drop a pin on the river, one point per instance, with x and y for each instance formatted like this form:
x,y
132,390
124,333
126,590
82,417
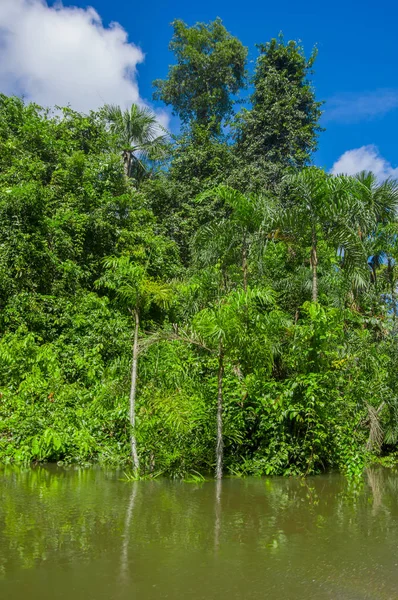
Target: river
x,y
86,534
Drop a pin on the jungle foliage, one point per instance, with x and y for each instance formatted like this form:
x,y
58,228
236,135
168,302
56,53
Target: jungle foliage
x,y
195,302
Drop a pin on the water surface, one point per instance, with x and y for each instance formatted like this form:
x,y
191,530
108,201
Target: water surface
x,y
88,535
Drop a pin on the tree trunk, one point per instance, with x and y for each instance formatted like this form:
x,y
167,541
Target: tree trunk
x,y
374,274
391,277
133,391
244,265
314,264
220,443
126,163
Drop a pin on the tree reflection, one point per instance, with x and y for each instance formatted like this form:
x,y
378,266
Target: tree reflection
x,y
217,513
126,533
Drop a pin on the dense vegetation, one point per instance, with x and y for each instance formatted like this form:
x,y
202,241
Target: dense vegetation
x,y
209,300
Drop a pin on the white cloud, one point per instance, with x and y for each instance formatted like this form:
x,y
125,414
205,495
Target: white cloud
x,y
366,158
352,108
64,55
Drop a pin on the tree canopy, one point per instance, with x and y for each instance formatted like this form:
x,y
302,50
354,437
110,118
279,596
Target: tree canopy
x,y
210,69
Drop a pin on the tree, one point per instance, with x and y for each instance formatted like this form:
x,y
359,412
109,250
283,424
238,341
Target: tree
x,y
210,69
371,213
139,137
374,217
378,203
224,326
220,327
281,127
137,293
230,239
62,199
385,255
322,204
201,160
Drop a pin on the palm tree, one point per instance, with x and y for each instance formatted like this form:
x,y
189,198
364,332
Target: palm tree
x,y
374,216
217,326
377,202
383,255
230,240
139,137
137,292
224,328
323,205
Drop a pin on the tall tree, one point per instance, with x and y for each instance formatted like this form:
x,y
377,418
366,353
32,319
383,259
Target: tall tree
x,y
383,257
321,205
281,127
231,238
224,328
372,214
138,136
210,69
200,87
137,292
377,203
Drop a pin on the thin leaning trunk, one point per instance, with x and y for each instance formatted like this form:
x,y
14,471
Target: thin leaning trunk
x,y
391,277
220,443
244,265
314,265
133,391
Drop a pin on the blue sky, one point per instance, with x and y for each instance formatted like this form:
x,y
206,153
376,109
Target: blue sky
x,y
356,70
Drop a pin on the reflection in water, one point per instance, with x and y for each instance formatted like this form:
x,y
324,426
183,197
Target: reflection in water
x,y
126,533
89,535
217,513
375,480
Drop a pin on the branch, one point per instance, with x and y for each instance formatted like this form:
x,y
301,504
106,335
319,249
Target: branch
x,y
161,336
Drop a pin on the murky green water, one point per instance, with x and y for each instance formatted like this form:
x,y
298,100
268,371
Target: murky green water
x,y
85,534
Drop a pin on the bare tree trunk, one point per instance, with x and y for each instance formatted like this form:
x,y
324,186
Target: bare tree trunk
x,y
314,264
244,265
220,443
151,461
127,163
391,277
133,391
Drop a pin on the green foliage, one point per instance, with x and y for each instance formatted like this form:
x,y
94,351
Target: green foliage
x,y
210,68
284,301
281,127
139,137
201,160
